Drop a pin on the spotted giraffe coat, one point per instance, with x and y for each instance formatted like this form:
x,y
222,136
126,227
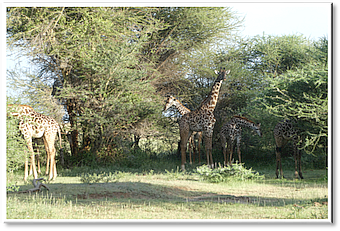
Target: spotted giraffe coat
x,y
231,131
284,131
35,125
202,119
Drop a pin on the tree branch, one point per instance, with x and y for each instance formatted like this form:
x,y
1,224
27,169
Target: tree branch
x,y
37,186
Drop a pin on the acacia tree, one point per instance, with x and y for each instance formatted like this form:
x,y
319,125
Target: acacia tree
x,y
293,74
302,93
276,77
107,65
91,54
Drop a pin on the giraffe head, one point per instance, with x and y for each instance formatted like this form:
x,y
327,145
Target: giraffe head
x,y
18,110
257,128
222,74
169,102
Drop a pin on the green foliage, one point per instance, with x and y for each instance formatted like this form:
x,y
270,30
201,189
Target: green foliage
x,y
91,178
277,77
274,55
90,57
188,29
176,174
302,93
16,147
10,187
224,174
107,66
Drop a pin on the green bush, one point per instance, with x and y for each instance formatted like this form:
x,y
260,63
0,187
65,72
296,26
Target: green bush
x,y
104,177
223,174
16,148
16,151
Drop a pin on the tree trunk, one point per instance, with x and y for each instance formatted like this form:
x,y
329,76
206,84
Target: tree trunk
x,y
73,135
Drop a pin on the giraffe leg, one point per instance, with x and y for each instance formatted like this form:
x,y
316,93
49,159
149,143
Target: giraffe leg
x,y
47,163
199,147
50,175
190,149
30,147
35,174
278,162
207,157
208,148
49,140
54,165
47,156
209,154
231,150
38,160
31,170
53,169
238,144
185,134
297,155
295,159
227,153
280,143
223,143
38,163
194,152
299,161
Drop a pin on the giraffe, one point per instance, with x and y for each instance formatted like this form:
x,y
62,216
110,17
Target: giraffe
x,y
283,132
172,101
202,120
232,130
36,125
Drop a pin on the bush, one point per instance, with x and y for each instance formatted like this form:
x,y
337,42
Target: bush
x,y
103,177
223,174
16,148
16,151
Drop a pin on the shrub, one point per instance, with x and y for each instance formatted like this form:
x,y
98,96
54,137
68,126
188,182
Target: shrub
x,y
16,148
223,174
104,177
16,151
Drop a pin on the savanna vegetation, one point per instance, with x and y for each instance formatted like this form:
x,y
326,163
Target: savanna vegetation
x,y
104,73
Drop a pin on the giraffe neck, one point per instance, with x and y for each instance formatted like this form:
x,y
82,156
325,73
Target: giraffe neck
x,y
244,122
181,108
21,110
210,102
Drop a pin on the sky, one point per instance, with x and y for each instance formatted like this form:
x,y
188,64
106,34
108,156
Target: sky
x,y
309,19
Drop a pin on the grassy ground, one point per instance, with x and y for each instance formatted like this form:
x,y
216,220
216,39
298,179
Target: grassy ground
x,y
170,195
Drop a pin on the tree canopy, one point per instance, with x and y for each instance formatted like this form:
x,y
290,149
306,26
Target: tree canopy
x,y
105,71
107,65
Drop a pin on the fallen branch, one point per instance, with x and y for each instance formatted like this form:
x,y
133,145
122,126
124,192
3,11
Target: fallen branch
x,y
37,186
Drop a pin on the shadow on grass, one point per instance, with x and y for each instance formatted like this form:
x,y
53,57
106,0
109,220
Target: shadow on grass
x,y
140,192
